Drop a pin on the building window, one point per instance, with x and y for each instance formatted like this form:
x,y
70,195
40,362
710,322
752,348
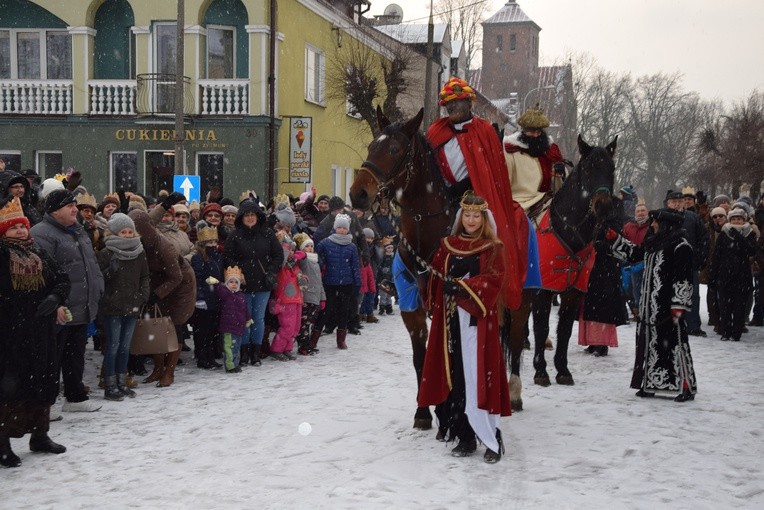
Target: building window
x,y
221,52
48,163
35,55
499,43
315,70
12,160
535,46
209,168
512,42
123,171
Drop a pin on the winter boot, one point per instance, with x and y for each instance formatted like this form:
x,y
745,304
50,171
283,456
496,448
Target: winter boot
x,y
465,448
341,334
314,336
371,319
123,385
111,392
381,310
100,379
40,442
265,348
256,355
156,374
492,457
7,457
389,309
168,377
244,353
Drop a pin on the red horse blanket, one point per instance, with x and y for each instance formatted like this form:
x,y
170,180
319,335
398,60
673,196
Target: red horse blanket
x,y
559,269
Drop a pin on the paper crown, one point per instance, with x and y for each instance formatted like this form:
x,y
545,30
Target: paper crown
x,y
246,195
193,206
534,118
641,201
745,190
86,200
205,232
12,214
233,272
688,191
281,198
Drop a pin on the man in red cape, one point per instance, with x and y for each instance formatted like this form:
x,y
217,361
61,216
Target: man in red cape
x,y
470,156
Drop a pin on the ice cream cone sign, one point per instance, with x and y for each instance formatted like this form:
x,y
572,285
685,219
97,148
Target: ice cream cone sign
x,y
300,137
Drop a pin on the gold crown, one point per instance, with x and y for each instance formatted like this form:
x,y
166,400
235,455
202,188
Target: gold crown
x,y
60,177
641,201
472,207
206,233
86,200
245,195
194,206
233,271
12,211
688,190
281,198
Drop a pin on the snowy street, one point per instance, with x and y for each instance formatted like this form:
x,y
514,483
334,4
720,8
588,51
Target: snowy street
x,y
334,431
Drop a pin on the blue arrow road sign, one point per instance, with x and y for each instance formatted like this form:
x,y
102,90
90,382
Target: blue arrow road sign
x,y
188,185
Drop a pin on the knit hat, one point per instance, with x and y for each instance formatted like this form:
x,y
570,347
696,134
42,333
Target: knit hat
x,y
205,232
533,118
11,214
304,196
627,190
193,206
112,198
456,88
230,209
212,207
58,199
137,202
181,208
302,240
737,212
745,206
721,199
285,215
336,203
118,221
716,211
369,233
322,197
86,200
342,220
48,186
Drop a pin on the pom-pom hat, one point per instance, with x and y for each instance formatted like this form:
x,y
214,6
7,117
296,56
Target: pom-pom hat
x,y
342,221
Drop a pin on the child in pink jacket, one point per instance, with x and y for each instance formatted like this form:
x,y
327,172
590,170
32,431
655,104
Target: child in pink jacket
x,y
286,304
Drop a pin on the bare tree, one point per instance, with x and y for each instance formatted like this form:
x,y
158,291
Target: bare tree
x,y
464,18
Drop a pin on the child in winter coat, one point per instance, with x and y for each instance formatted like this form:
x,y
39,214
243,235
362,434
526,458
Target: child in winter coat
x,y
286,301
234,315
368,291
385,280
313,297
207,262
126,288
339,260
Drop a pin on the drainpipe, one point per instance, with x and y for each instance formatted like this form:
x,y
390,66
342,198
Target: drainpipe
x,y
270,188
180,167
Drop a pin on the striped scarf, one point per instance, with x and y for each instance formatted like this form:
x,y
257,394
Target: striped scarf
x,y
25,265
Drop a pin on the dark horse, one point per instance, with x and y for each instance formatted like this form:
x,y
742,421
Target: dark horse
x,y
584,199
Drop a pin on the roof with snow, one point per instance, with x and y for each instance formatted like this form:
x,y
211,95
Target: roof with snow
x,y
414,33
510,13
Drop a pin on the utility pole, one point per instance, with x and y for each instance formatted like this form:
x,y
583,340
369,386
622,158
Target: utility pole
x,y
270,186
180,133
428,114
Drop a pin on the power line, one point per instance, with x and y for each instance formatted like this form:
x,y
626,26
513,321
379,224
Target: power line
x,y
446,12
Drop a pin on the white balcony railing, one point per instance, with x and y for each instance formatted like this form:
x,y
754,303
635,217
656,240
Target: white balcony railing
x,y
224,97
36,97
112,97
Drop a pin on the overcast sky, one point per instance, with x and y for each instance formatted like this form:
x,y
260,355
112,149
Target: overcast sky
x,y
718,45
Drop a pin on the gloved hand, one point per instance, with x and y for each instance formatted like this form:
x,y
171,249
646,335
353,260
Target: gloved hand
x,y
611,235
172,199
248,323
211,280
271,280
48,305
153,299
676,314
323,304
559,168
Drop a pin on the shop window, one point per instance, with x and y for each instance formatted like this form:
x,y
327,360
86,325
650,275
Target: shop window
x,y
48,163
124,171
220,52
12,160
209,167
315,71
35,54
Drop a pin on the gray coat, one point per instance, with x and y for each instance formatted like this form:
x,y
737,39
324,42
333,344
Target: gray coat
x,y
72,250
314,294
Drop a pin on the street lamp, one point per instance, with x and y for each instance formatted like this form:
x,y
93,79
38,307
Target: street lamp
x,y
547,87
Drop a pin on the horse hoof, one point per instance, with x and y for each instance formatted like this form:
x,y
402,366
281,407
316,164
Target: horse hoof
x,y
441,435
542,380
548,345
565,380
423,423
516,405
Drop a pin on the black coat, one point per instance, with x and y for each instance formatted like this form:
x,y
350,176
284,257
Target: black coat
x,y
29,361
697,235
604,302
731,267
255,250
126,284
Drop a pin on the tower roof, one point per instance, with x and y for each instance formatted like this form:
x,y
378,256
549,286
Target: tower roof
x,y
510,13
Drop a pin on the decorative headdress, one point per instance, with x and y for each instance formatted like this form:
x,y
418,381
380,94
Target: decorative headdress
x,y
11,214
233,272
205,233
456,88
688,191
86,200
534,118
472,207
281,198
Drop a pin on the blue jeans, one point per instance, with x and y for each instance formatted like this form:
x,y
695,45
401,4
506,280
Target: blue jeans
x,y
119,333
367,304
257,302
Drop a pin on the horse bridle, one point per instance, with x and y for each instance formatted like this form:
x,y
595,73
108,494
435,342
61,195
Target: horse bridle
x,y
576,229
405,164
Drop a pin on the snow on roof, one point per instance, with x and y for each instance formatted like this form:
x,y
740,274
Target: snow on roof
x,y
414,33
510,13
456,47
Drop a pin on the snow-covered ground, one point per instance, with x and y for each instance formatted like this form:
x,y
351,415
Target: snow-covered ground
x,y
334,431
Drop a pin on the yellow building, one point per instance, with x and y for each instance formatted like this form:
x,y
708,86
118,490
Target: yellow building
x,y
89,84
